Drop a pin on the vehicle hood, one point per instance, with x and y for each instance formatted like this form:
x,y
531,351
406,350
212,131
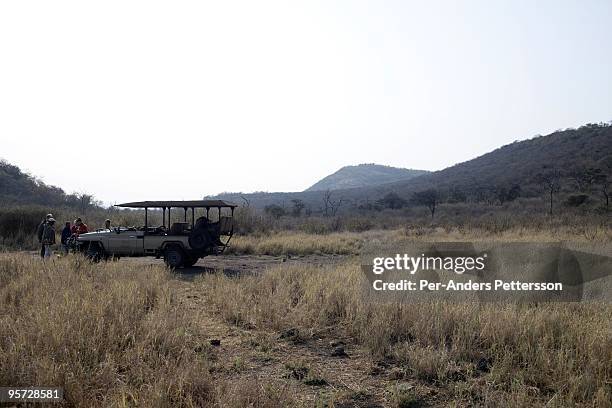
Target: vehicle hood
x,y
94,236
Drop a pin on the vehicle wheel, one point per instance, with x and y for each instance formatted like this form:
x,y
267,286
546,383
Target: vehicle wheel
x,y
174,257
94,253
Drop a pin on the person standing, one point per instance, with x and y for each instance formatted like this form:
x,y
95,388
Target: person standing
x,y
79,227
48,238
66,233
107,225
39,233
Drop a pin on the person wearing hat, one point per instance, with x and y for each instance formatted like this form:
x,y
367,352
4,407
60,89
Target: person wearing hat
x,y
39,233
48,237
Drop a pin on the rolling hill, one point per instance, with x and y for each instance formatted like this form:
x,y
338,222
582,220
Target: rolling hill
x,y
19,188
364,175
519,163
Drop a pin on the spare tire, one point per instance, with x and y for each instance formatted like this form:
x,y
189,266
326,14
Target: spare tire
x,y
199,239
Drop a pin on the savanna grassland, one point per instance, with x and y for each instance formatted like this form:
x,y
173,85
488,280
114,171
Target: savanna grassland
x,y
132,333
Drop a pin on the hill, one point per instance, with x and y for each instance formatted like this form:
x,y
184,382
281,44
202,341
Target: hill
x,y
524,163
364,175
19,188
521,164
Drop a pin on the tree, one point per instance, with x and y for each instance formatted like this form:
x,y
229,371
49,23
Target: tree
x,y
247,203
456,195
84,202
605,189
392,200
505,194
551,181
428,198
331,206
275,210
298,206
603,181
585,178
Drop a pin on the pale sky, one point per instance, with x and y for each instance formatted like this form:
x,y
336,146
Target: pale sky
x,y
134,100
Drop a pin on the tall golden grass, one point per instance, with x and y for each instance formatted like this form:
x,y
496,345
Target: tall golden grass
x,y
297,243
350,243
115,334
111,334
478,354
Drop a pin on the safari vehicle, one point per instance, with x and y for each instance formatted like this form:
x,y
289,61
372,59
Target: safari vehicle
x,y
180,244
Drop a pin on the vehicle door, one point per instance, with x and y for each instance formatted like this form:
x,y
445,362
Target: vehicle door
x,y
126,242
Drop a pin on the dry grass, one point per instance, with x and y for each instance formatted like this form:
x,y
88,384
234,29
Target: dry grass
x,y
110,334
115,334
491,354
296,243
106,334
350,243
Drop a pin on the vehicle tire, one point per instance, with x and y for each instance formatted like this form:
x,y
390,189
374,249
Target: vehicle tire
x,y
174,257
95,253
199,239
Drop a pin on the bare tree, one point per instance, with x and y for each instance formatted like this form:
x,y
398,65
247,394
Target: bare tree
x,y
551,181
428,198
331,206
275,210
604,181
605,189
85,201
585,178
298,206
247,203
392,200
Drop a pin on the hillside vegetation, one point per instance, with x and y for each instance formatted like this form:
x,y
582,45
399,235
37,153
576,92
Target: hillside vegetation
x,y
572,162
524,162
364,175
20,188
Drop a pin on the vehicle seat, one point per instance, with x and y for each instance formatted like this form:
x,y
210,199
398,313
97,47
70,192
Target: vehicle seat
x,y
179,228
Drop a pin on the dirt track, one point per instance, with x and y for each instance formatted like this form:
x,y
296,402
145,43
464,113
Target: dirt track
x,y
293,362
261,356
236,265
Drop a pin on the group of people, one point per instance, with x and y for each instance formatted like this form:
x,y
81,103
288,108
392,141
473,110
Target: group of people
x,y
46,234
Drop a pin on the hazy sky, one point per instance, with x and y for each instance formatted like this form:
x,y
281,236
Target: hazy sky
x,y
134,100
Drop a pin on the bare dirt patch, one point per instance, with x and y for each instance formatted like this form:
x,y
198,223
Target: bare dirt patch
x,y
239,265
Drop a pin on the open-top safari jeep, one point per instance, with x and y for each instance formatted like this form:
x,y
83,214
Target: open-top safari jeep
x,y
179,243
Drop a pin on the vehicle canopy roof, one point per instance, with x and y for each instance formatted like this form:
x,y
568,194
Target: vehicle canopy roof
x,y
179,204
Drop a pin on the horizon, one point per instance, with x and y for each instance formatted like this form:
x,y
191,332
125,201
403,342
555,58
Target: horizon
x,y
208,98
220,193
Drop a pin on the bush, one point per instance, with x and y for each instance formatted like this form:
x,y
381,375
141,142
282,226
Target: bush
x,y
18,226
576,200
